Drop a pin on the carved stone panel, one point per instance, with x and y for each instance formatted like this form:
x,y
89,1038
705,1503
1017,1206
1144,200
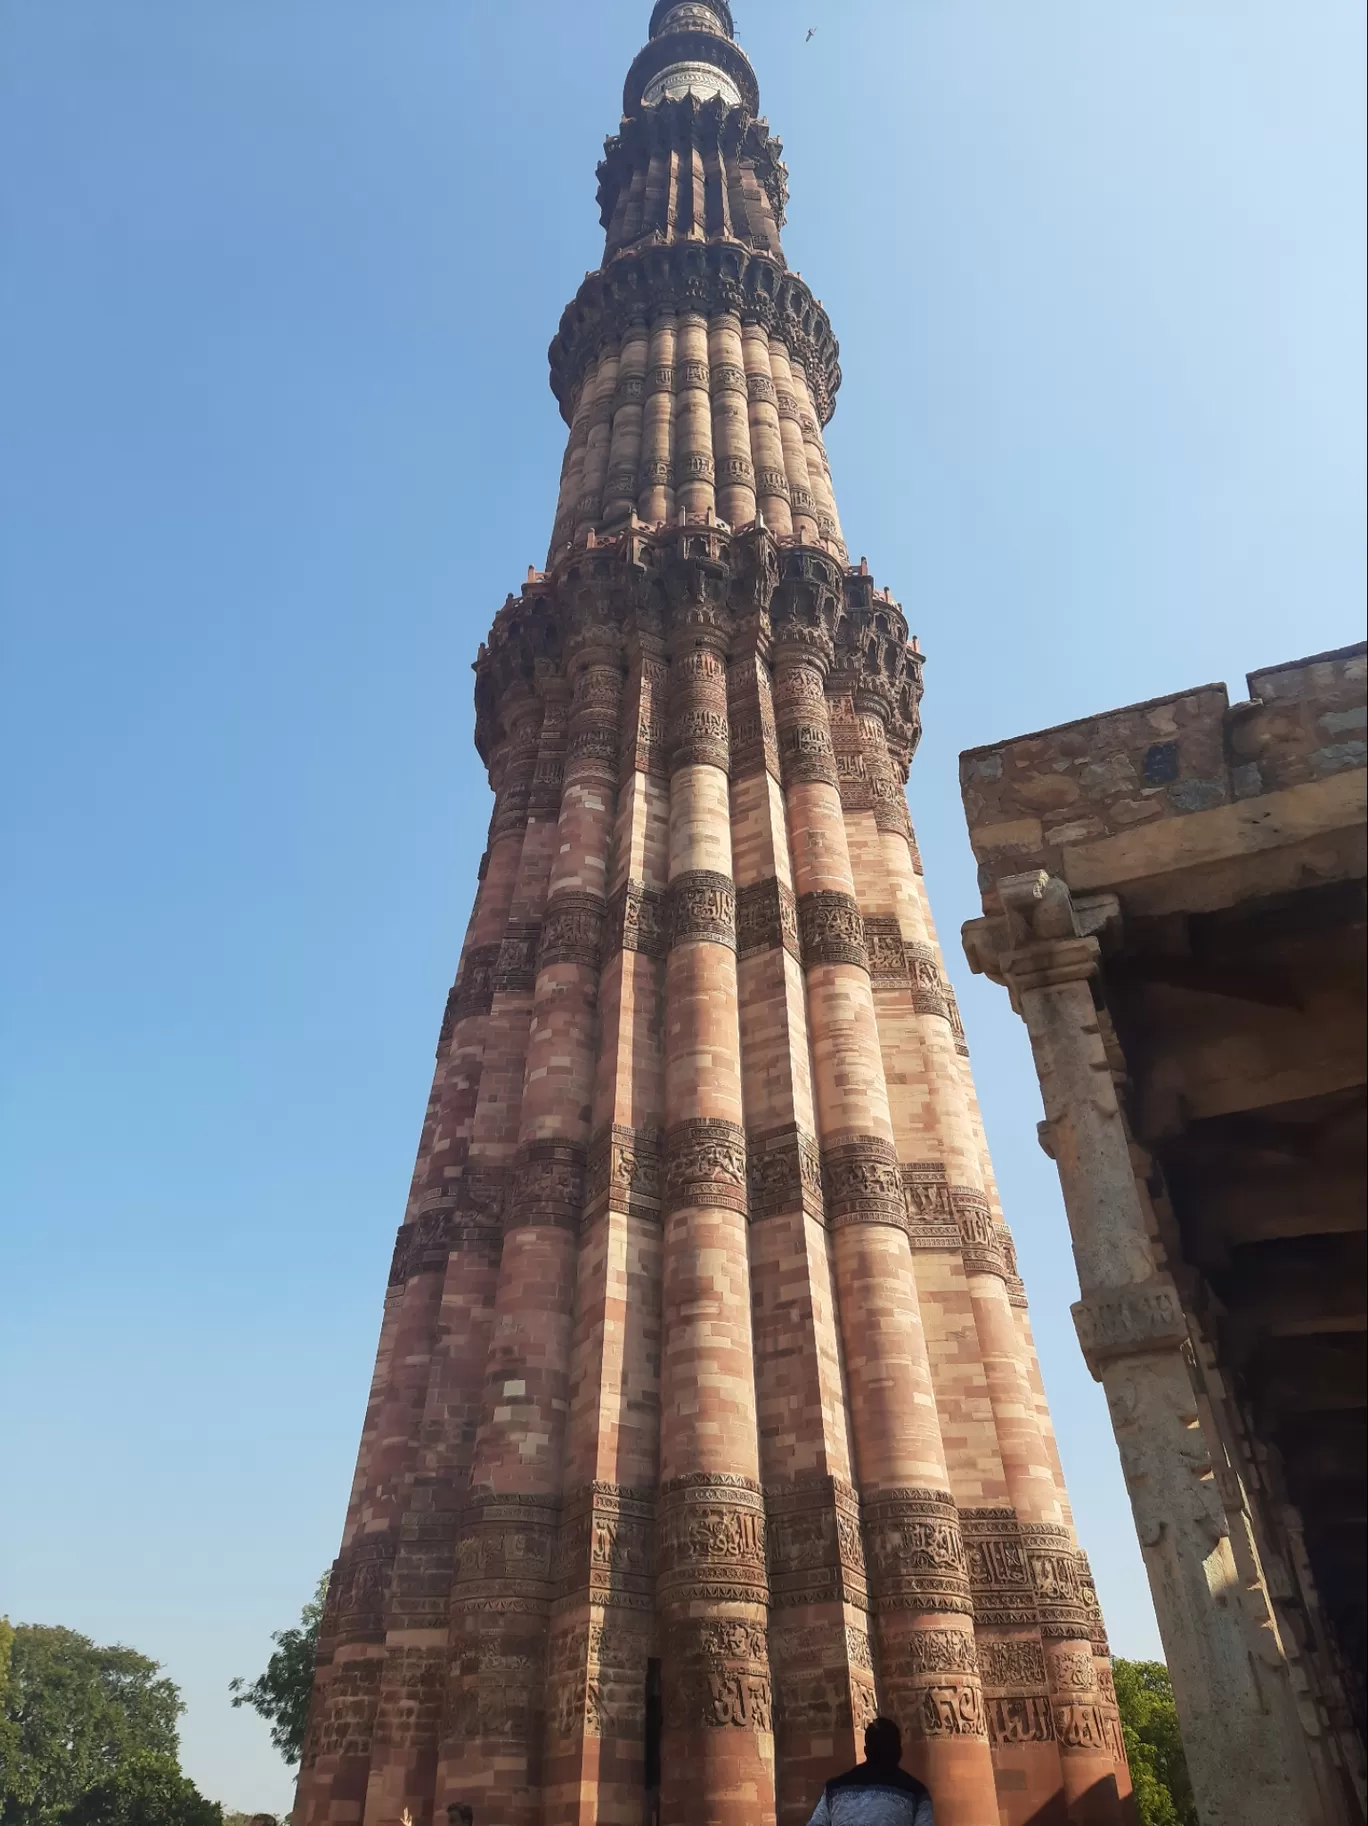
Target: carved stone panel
x,y
702,905
624,1173
1008,1663
1019,1719
915,1553
999,1573
364,1571
767,918
705,1165
863,1183
712,1541
607,1548
928,983
816,1551
505,1553
887,958
1060,1603
473,991
784,1170
573,931
719,1676
930,1211
547,1186
516,971
636,921
832,930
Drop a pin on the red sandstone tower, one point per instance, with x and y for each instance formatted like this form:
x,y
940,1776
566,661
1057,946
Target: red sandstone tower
x,y
706,1419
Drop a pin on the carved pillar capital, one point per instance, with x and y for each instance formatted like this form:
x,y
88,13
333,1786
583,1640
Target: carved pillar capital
x,y
1044,938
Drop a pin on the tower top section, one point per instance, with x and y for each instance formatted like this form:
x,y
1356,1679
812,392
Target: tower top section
x,y
692,50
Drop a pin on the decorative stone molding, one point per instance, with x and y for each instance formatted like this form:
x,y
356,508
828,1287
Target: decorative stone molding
x,y
931,1219
364,1573
1009,1663
625,1173
1053,1563
516,971
999,1571
928,984
887,955
473,991
636,921
701,905
784,1173
831,930
767,919
721,1675
863,1183
1129,1323
1019,1719
505,1553
606,1549
816,1553
573,931
547,1186
712,1541
424,1246
915,1552
705,1165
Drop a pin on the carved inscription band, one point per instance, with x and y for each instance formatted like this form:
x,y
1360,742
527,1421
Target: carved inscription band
x,y
705,1165
863,1183
548,1186
916,1553
702,905
573,931
767,919
831,930
784,1173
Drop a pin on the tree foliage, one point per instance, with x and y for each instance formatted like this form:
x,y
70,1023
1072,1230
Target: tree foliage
x,y
144,1791
1154,1747
74,1713
281,1693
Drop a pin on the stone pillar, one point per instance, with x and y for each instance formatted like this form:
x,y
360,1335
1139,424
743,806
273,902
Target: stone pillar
x,y
819,1624
819,473
624,454
693,463
718,1749
802,502
657,498
1134,1336
602,1638
572,468
731,422
948,1211
495,1723
918,1574
598,445
766,435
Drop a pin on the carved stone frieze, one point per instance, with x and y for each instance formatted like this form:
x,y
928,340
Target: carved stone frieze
x,y
767,918
784,1172
915,1553
596,1679
625,1173
1130,1323
887,958
636,921
573,931
547,1186
363,1573
956,1024
806,754
1060,1601
495,1693
516,971
698,728
863,1183
931,1217
1019,1719
941,1708
712,1541
1081,1726
473,991
1007,1663
505,1553
928,981
346,1724
719,1675
979,1235
473,1218
1071,1671
831,930
939,1651
607,1548
701,904
816,1552
999,1572
705,1165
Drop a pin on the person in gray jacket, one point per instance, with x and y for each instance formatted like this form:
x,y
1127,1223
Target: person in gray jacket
x,y
876,1792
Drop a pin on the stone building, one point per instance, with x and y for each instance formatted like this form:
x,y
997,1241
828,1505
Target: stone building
x,y
706,1419
1173,893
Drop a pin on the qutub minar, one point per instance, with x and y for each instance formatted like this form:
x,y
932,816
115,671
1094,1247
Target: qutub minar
x,y
706,1420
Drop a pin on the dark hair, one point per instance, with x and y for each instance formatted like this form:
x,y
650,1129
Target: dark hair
x,y
883,1742
460,1815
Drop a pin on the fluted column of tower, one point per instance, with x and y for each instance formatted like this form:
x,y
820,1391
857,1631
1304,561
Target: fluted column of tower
x,y
706,1420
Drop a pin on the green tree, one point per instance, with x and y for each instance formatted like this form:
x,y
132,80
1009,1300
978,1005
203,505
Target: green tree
x,y
74,1713
144,1790
281,1694
1154,1747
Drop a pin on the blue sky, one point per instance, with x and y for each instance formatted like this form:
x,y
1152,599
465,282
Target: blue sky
x,y
278,284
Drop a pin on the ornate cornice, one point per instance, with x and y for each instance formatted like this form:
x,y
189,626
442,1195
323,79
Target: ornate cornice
x,y
675,126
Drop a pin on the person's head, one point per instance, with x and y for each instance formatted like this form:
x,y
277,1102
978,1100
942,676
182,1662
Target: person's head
x,y
458,1814
883,1744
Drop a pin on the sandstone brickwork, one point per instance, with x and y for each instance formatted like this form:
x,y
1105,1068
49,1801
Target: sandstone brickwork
x,y
706,1421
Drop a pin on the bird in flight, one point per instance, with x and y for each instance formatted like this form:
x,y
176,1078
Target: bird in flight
x,y
812,33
